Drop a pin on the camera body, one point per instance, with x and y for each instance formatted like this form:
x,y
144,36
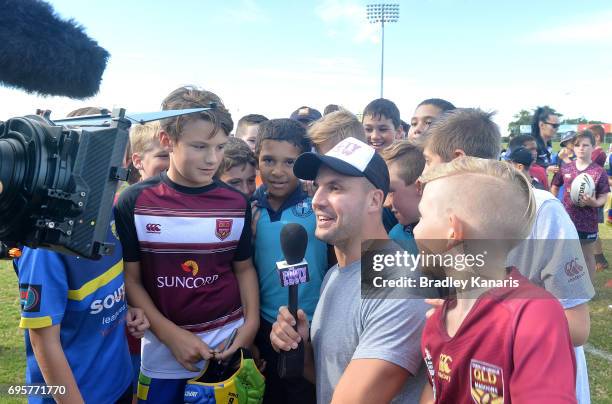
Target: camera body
x,y
59,183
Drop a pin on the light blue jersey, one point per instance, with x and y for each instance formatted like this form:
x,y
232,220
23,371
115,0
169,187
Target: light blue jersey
x,y
87,300
403,236
296,209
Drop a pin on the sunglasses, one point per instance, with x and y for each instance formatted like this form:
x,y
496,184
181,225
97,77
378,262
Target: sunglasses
x,y
554,125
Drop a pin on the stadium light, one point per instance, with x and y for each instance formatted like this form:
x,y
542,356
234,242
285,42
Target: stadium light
x,y
382,13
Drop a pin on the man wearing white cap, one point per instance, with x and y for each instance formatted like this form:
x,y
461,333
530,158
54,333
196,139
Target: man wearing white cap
x,y
358,350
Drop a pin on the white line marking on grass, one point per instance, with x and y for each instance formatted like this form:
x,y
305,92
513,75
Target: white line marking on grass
x,y
598,352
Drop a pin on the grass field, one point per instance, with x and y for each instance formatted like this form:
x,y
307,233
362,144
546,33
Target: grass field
x,y
12,355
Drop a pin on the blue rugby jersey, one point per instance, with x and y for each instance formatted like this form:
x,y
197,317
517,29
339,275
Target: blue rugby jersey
x,y
87,299
403,236
297,208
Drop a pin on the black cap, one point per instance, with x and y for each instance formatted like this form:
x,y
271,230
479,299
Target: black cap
x,y
521,155
569,135
305,115
350,157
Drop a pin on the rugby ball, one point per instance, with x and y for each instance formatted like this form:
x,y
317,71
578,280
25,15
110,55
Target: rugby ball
x,y
583,184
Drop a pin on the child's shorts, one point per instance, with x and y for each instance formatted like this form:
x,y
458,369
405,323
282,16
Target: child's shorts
x,y
586,237
136,370
160,391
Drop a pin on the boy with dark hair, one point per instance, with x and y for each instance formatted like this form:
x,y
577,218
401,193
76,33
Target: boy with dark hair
x,y
247,128
239,166
186,241
405,162
490,344
381,121
424,114
331,108
584,215
521,159
552,246
529,142
281,200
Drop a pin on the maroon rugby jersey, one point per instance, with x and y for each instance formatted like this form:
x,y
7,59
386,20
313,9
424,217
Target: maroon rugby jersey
x,y
513,346
186,240
585,218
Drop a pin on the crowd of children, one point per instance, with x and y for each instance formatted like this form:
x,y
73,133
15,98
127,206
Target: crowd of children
x,y
193,277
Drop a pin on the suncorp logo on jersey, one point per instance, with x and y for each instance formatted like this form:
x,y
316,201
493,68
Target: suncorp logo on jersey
x,y
108,301
188,282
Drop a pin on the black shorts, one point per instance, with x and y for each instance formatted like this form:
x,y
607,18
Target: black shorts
x,y
586,237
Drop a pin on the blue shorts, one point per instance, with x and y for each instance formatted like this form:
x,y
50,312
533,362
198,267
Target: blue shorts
x,y
136,370
160,391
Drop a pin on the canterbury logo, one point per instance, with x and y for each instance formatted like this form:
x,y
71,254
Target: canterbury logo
x,y
573,268
153,228
444,364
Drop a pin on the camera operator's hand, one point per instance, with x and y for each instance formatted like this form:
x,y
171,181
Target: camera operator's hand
x,y
188,348
0,187
137,322
283,336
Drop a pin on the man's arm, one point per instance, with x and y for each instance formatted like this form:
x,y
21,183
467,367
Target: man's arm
x,y
579,322
284,338
186,347
52,362
370,381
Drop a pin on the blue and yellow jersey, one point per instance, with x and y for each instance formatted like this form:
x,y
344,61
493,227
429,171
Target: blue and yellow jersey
x,y
296,209
87,300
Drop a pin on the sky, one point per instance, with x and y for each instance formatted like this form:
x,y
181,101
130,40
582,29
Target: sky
x,y
271,57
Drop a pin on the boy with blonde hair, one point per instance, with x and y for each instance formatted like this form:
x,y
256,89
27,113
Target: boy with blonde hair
x,y
186,241
405,162
334,127
505,340
148,157
551,256
239,166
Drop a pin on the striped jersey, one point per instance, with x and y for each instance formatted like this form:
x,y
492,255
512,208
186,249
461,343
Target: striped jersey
x,y
186,240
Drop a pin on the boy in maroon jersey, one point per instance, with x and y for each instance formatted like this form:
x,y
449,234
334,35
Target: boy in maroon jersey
x,y
186,241
503,344
586,217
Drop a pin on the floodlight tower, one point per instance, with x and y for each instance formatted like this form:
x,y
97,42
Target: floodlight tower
x,y
382,13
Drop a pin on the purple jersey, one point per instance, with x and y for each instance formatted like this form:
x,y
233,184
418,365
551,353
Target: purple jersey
x,y
586,218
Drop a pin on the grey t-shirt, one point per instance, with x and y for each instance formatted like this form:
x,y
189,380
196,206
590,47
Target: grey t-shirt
x,y
346,327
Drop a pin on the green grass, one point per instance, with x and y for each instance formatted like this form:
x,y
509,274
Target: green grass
x,y
12,355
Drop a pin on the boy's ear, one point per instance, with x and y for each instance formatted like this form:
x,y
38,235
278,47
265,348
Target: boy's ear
x,y
164,141
458,153
456,231
137,161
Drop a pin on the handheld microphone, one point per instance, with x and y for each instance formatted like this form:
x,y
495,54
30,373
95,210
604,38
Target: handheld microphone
x,y
292,272
41,53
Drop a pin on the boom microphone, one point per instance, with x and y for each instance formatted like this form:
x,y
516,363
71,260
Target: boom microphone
x,y
292,272
41,53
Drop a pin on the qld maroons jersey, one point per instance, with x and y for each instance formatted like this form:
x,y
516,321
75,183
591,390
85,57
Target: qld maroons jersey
x,y
513,346
186,240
